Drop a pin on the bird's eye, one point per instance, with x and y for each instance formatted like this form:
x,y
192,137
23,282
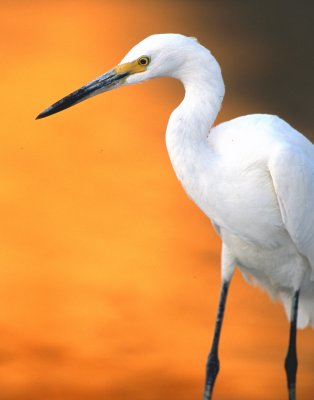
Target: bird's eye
x,y
144,60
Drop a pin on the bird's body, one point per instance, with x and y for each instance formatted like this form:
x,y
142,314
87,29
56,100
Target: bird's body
x,y
235,186
252,176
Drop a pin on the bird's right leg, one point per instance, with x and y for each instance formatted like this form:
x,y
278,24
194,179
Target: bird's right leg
x,y
212,365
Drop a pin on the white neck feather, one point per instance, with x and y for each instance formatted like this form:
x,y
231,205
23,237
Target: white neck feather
x,y
190,123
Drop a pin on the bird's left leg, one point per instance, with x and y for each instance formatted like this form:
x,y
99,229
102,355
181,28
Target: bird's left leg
x,y
212,365
291,361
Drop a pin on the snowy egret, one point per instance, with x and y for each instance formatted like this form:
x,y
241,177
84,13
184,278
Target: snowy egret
x,y
252,176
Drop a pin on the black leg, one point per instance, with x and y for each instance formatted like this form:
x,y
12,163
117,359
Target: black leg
x,y
212,366
291,361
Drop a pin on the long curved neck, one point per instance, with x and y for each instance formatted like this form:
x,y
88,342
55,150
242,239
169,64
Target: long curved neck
x,y
190,123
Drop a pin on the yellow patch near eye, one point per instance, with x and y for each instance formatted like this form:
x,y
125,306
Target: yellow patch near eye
x,y
132,68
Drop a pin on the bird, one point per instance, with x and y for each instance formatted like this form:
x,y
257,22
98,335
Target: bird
x,y
252,176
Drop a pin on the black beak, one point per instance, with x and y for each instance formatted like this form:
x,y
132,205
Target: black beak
x,y
108,81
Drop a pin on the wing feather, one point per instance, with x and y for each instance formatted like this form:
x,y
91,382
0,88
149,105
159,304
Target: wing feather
x,y
292,172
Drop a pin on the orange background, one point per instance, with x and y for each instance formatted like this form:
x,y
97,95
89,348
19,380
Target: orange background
x,y
109,276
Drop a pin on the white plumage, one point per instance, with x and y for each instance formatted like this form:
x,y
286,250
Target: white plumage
x,y
252,176
269,183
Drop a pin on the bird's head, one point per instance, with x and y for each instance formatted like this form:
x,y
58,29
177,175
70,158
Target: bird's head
x,y
157,55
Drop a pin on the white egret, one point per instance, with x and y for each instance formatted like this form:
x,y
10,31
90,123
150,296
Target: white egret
x,y
252,176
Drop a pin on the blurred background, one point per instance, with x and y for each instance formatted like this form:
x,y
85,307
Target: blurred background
x,y
109,277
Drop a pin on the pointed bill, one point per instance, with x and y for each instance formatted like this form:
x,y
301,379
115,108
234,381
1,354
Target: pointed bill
x,y
108,81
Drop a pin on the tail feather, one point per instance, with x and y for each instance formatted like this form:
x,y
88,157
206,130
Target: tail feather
x,y
306,299
306,305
